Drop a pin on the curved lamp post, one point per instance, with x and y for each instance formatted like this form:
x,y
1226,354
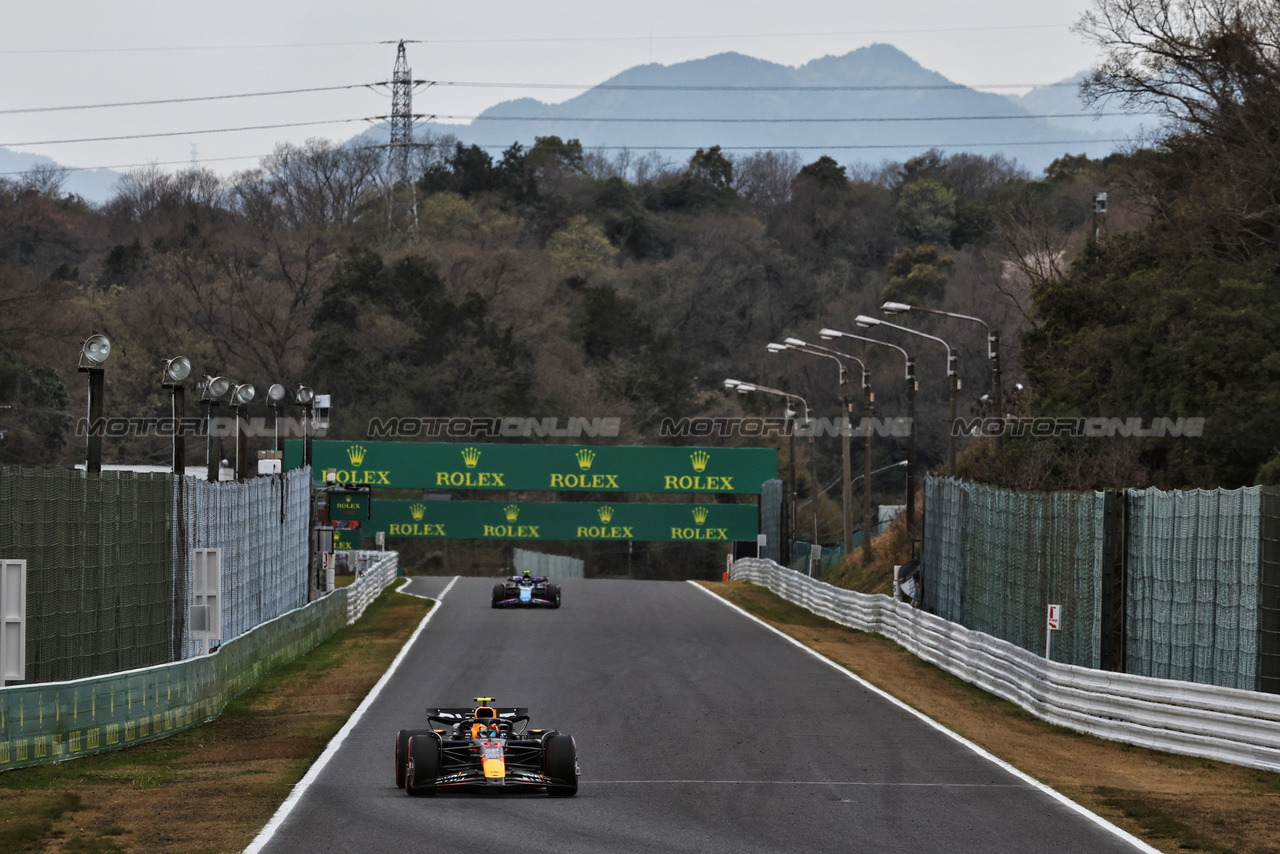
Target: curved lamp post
x,y
845,434
747,388
241,395
993,351
911,412
953,378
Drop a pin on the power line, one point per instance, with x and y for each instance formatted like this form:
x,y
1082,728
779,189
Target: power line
x,y
18,110
178,133
659,87
792,120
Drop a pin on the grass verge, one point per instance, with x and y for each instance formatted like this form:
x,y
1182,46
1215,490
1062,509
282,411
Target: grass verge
x,y
211,788
1174,803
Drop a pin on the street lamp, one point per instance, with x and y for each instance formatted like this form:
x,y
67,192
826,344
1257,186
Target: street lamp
x,y
94,350
303,396
175,371
993,352
953,378
847,405
275,395
747,388
241,395
828,334
211,392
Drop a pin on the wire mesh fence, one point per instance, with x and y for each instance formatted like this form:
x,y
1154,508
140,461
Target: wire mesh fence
x,y
551,566
1192,585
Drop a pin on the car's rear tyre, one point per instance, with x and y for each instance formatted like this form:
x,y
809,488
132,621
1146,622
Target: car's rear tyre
x,y
402,752
561,756
423,766
498,594
553,593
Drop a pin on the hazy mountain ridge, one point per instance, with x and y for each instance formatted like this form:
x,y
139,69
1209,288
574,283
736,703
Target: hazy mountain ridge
x,y
878,65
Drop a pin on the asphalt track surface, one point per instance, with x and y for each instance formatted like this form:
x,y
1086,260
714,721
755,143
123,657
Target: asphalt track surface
x,y
698,730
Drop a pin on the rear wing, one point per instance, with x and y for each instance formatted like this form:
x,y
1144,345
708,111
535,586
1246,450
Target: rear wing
x,y
456,713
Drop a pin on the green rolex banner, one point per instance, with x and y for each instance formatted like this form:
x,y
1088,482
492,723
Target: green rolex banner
x,y
347,539
606,468
565,520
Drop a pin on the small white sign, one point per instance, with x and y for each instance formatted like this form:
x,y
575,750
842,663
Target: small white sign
x,y
1055,617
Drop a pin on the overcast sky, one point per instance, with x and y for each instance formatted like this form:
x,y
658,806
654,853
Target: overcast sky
x,y
55,54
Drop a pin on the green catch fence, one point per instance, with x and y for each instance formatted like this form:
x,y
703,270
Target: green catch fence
x,y
552,566
1192,566
63,720
1001,557
101,596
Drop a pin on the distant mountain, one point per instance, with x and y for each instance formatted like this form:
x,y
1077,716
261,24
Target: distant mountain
x,y
93,185
599,117
1066,99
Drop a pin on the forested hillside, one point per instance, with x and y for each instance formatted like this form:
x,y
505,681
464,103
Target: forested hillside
x,y
558,281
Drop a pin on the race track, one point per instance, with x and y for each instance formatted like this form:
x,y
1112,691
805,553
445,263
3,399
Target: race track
x,y
698,730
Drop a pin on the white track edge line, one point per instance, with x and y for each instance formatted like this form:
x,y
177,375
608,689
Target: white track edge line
x,y
269,830
990,757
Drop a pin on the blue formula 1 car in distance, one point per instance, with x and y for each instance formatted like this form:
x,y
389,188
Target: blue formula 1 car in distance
x,y
526,591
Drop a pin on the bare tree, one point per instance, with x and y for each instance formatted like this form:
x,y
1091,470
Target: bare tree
x,y
45,178
764,178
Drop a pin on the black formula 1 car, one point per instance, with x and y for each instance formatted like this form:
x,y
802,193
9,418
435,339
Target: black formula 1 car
x,y
488,748
526,591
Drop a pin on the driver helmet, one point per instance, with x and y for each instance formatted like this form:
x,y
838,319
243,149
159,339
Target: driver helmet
x,y
528,574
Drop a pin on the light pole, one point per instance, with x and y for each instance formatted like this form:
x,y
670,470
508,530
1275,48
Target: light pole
x,y
212,390
953,378
305,398
176,370
847,405
240,397
993,353
94,350
275,395
911,413
747,388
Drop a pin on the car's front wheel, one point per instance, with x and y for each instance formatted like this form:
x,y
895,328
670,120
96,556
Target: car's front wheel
x,y
561,755
424,765
402,752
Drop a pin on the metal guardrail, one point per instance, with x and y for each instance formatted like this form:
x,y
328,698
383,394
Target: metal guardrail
x,y
375,571
1224,724
54,721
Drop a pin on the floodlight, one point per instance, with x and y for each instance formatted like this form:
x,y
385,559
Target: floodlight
x,y
794,342
828,334
95,350
215,388
304,394
864,320
895,307
177,369
276,393
732,383
775,348
242,394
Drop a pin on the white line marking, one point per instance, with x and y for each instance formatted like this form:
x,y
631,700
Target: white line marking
x,y
300,789
866,783
1031,781
407,581
447,588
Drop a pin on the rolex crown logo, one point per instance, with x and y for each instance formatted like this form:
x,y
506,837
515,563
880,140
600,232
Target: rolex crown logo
x,y
512,511
700,460
356,453
606,513
700,514
471,456
418,511
585,458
